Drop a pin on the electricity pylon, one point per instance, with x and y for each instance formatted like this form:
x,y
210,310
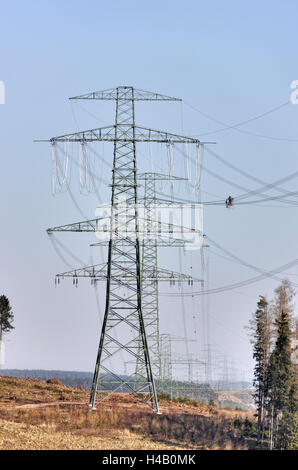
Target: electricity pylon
x,y
168,360
150,305
123,318
149,245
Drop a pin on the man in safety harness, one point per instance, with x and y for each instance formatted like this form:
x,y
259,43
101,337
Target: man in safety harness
x,y
229,202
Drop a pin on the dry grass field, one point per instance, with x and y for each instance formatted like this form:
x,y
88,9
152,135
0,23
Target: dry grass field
x,y
39,415
21,436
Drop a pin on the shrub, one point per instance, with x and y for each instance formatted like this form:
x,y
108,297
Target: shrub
x,y
54,381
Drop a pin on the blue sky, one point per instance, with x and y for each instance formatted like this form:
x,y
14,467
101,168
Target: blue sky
x,y
231,60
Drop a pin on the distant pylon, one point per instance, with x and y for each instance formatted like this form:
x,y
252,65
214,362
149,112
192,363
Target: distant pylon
x,y
150,304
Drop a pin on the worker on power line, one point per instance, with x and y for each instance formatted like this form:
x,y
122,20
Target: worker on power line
x,y
229,202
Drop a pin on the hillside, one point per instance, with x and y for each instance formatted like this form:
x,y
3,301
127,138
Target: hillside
x,y
201,392
226,397
236,399
35,414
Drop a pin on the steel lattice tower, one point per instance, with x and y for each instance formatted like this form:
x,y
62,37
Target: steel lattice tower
x,y
123,329
150,304
124,314
150,287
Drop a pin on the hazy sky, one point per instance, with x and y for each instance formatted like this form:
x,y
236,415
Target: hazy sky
x,y
229,60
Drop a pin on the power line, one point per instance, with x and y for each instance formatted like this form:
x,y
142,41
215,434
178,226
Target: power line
x,y
274,185
240,123
240,260
248,192
235,126
238,284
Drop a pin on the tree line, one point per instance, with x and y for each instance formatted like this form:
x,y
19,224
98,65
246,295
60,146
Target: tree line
x,y
272,329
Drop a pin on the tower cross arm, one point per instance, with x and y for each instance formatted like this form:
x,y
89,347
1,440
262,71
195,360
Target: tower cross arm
x,y
168,275
124,93
159,177
144,134
160,243
85,226
99,273
108,134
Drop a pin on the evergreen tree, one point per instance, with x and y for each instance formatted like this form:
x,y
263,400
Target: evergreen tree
x,y
6,316
287,436
261,340
281,387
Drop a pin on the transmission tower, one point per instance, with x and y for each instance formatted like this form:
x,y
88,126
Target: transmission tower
x,y
123,328
150,306
168,361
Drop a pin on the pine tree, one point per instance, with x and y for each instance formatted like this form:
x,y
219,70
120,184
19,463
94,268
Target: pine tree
x,y
281,387
261,339
6,316
6,319
287,437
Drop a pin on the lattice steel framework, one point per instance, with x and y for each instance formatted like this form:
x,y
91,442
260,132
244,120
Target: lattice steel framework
x,y
168,360
123,329
150,304
150,288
